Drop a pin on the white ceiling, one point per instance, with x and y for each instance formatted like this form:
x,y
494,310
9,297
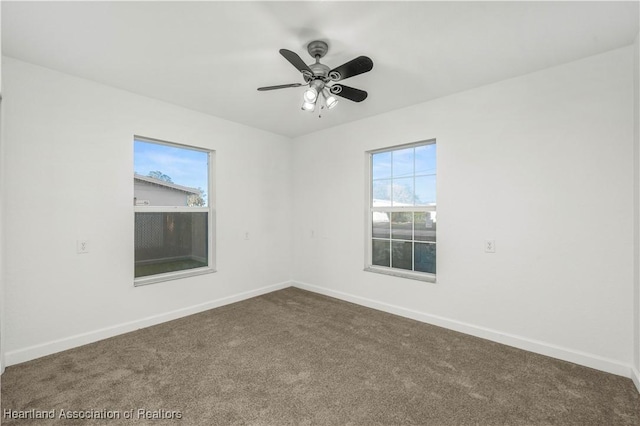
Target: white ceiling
x,y
211,56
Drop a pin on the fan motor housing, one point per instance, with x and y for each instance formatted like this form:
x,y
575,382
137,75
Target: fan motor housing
x,y
320,70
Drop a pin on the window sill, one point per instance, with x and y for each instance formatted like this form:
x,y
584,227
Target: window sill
x,y
430,278
170,276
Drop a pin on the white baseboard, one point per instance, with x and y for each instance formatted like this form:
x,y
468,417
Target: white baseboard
x,y
635,376
48,348
577,357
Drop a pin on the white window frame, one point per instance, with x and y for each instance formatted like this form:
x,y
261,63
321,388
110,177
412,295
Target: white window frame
x,y
368,266
210,209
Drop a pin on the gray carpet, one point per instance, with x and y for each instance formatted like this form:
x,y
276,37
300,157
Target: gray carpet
x,y
295,357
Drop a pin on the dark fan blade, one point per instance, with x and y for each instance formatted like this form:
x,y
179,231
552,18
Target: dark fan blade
x,y
295,60
356,66
282,86
355,95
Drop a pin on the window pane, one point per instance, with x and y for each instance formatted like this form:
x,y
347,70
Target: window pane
x,y
425,260
425,190
425,226
381,193
380,225
168,242
403,163
402,180
380,253
426,160
402,253
381,164
166,175
402,225
403,192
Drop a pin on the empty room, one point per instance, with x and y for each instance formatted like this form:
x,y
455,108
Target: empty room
x,y
317,212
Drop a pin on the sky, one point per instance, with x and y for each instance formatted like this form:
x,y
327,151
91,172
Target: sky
x,y
186,167
402,169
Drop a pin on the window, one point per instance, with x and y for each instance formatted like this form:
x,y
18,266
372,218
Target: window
x,y
401,236
173,211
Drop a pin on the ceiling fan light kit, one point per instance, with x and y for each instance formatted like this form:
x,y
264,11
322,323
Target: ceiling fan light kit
x,y
321,79
329,100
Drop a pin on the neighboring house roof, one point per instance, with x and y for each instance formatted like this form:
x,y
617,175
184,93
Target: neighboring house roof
x,y
166,184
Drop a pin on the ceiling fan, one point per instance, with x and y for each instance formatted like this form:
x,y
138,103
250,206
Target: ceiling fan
x,y
322,80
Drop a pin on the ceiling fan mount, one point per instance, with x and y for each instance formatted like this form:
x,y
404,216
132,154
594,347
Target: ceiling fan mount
x,y
322,80
317,48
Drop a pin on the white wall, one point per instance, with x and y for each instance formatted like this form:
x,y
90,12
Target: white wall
x,y
2,279
636,211
69,162
2,361
540,163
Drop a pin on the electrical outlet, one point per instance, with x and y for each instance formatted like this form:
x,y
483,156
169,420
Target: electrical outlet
x,y
82,246
489,246
246,235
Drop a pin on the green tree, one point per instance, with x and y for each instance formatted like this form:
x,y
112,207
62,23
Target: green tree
x,y
197,200
401,193
157,174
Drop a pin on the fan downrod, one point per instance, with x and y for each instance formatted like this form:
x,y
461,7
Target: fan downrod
x,y
317,48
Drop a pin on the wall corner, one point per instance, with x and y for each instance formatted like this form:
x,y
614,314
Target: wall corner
x,y
636,211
